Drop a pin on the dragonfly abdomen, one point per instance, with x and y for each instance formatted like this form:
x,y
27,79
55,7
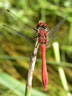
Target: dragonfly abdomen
x,y
44,67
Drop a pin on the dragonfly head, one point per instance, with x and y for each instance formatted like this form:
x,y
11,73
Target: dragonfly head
x,y
42,25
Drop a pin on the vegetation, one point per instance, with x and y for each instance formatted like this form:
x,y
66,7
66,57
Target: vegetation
x,y
17,44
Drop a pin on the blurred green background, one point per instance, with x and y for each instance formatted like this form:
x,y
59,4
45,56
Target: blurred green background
x,y
17,44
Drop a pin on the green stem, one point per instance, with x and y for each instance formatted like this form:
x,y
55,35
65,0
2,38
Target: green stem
x,y
27,91
60,69
70,33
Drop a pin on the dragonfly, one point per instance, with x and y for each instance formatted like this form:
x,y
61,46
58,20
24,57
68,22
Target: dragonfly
x,y
44,35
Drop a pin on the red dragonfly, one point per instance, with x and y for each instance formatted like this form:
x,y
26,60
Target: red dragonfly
x,y
43,40
43,34
45,37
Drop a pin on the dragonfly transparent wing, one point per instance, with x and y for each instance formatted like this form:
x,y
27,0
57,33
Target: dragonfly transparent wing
x,y
55,34
13,19
20,34
10,19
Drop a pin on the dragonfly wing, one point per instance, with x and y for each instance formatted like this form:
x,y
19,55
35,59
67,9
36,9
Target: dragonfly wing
x,y
12,31
14,21
8,19
55,29
58,38
54,34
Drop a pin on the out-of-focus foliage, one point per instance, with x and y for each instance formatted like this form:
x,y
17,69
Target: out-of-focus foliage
x,y
16,48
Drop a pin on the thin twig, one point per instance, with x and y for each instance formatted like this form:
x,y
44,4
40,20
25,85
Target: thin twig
x,y
31,70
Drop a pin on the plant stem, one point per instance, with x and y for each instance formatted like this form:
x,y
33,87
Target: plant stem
x,y
60,69
31,70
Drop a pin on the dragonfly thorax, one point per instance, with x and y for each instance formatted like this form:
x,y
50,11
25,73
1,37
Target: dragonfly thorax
x,y
42,33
